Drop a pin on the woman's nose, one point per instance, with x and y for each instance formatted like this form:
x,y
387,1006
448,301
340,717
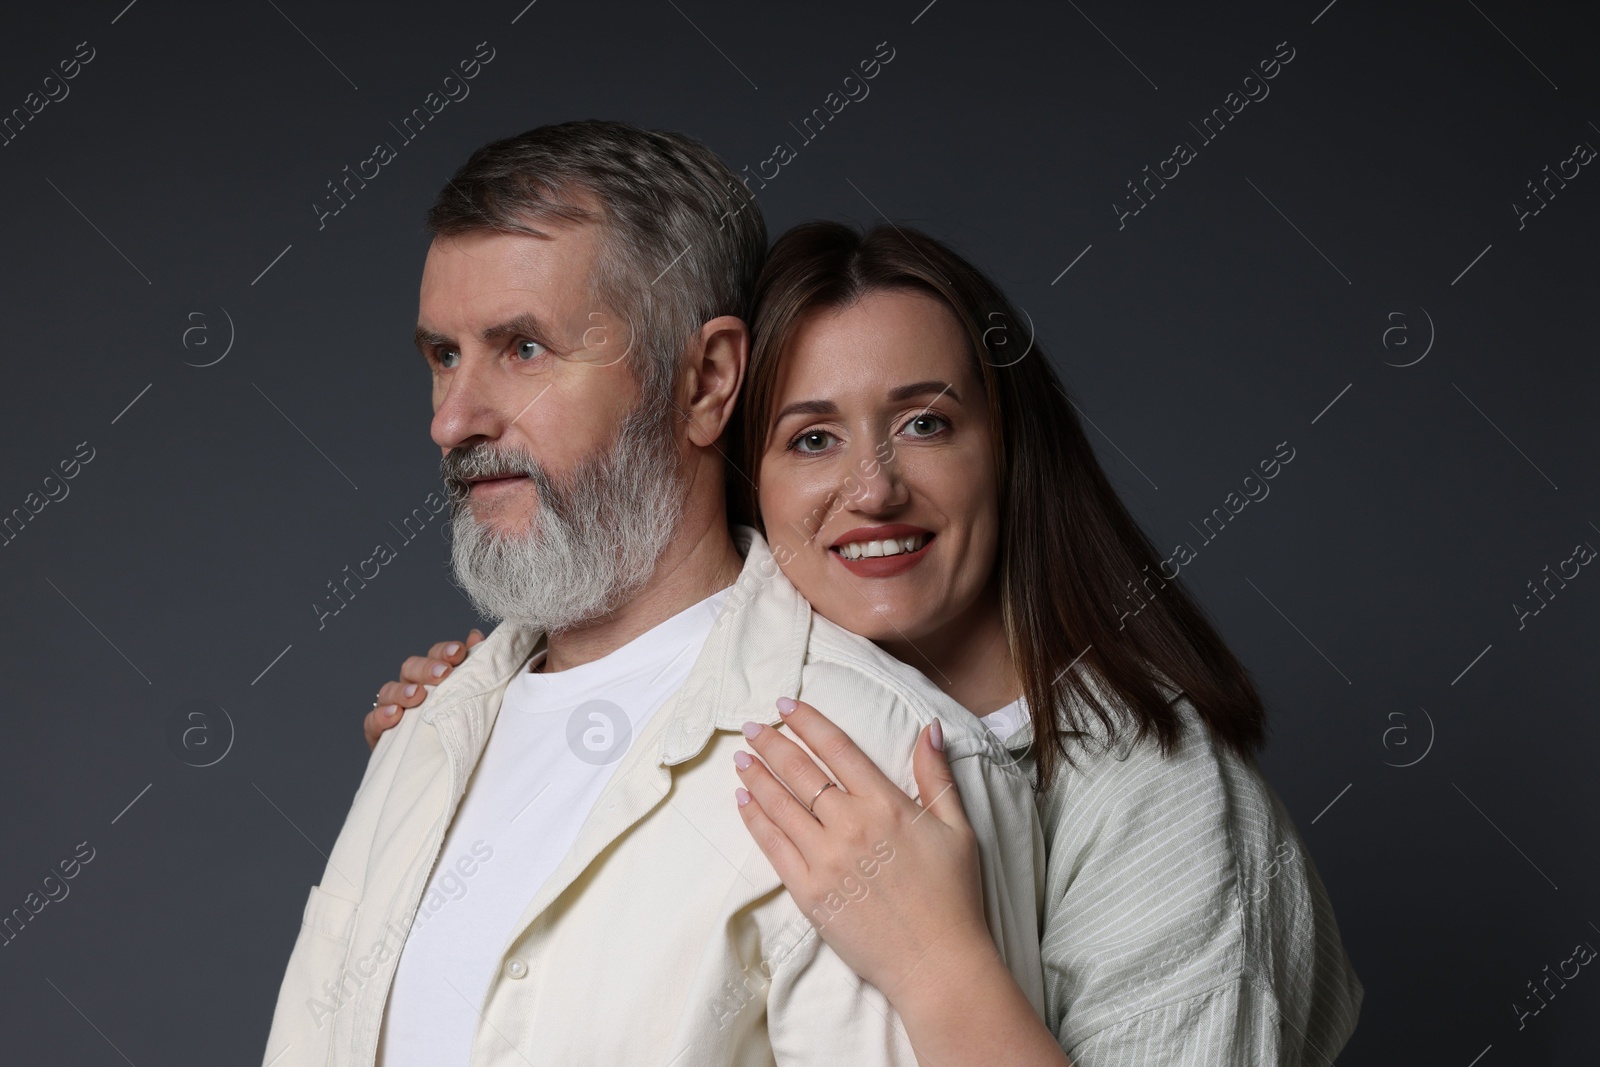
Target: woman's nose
x,y
878,477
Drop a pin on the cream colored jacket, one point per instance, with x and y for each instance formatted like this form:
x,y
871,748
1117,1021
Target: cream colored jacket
x,y
664,937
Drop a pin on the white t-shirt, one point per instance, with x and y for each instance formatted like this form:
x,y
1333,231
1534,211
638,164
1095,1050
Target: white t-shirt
x,y
554,745
1003,722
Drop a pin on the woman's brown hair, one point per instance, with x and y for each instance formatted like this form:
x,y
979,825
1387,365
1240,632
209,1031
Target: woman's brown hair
x,y
1072,560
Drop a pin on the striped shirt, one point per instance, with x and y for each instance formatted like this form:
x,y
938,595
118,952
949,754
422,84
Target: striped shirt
x,y
1185,923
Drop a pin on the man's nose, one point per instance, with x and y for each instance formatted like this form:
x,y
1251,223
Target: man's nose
x,y
467,412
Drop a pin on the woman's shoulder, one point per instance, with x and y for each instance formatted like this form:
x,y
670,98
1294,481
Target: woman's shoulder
x,y
1190,856
1195,798
1204,809
1112,766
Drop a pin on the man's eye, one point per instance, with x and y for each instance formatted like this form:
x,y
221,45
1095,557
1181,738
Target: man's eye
x,y
449,358
528,351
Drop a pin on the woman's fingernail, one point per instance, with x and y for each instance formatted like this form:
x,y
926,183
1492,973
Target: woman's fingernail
x,y
410,690
741,760
751,729
786,705
452,648
742,796
389,710
936,735
438,669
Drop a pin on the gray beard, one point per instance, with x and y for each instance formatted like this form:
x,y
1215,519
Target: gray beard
x,y
593,542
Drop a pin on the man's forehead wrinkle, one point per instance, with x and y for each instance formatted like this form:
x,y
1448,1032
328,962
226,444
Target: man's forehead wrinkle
x,y
533,258
501,276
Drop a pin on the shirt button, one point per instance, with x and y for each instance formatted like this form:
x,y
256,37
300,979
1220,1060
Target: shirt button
x,y
516,968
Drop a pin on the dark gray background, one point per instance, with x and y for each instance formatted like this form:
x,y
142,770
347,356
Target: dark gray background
x,y
1248,296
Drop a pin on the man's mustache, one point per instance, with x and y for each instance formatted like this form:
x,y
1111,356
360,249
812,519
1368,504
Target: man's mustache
x,y
459,465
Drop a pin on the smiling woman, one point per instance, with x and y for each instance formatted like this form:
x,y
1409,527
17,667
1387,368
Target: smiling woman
x,y
921,460
925,490
984,458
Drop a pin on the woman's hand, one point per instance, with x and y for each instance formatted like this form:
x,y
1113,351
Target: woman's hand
x,y
893,887
415,673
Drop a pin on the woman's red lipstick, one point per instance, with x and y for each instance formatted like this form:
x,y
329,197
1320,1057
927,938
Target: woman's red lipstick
x,y
852,549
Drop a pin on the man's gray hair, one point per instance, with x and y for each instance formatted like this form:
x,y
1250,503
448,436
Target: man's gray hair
x,y
683,239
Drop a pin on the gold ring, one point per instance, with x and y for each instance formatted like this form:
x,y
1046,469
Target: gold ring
x,y
812,807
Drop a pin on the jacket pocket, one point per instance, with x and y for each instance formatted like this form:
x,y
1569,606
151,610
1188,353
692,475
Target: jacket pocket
x,y
332,917
313,992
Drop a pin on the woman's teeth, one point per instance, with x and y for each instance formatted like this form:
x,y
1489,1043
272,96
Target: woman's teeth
x,y
891,547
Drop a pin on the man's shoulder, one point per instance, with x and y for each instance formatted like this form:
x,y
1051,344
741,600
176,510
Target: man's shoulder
x,y
873,691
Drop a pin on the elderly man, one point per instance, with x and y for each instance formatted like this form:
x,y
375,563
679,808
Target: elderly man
x,y
545,865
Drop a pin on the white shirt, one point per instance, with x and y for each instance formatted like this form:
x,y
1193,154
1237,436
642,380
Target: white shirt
x,y
552,750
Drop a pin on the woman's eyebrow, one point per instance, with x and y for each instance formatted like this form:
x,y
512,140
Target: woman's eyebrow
x,y
807,407
896,395
916,389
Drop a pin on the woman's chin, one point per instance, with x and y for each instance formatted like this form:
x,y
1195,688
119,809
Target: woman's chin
x,y
883,623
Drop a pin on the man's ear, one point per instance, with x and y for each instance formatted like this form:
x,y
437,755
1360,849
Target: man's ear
x,y
715,374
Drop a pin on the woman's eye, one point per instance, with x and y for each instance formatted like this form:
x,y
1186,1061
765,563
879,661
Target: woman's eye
x,y
529,350
814,441
925,425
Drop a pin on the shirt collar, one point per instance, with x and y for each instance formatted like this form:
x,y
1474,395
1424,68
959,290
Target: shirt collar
x,y
754,655
1021,740
468,701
